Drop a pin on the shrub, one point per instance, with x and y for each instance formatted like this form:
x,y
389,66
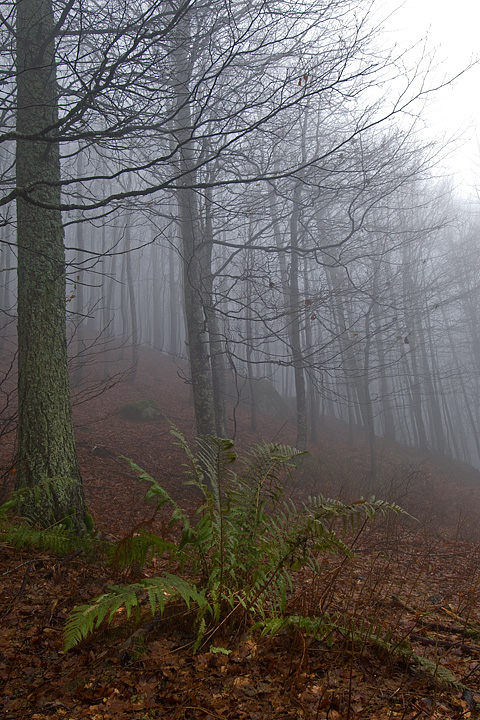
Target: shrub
x,y
237,556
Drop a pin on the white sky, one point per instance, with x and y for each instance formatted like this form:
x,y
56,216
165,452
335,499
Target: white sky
x,y
453,28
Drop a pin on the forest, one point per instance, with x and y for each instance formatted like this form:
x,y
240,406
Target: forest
x,y
231,256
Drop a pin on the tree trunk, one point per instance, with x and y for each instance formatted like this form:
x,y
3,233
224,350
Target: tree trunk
x,y
196,321
309,349
80,312
387,413
217,352
5,292
295,337
131,301
46,446
367,409
158,305
174,303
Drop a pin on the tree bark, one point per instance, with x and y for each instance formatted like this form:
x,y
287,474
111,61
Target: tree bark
x,y
188,221
217,351
46,446
294,332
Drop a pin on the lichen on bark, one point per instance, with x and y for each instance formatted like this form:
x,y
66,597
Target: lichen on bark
x,y
46,446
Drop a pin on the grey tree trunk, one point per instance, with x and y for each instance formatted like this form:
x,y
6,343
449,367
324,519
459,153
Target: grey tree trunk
x,y
466,398
196,322
174,303
188,221
367,409
414,374
46,446
387,413
295,337
217,351
127,259
309,344
158,305
79,316
6,300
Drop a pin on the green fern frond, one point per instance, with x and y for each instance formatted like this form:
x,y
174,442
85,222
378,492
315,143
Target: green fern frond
x,y
140,549
9,504
156,492
193,468
56,539
215,456
322,509
243,544
441,674
265,463
159,591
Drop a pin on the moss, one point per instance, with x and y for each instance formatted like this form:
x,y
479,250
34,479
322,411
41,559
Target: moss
x,y
89,522
54,500
267,398
145,410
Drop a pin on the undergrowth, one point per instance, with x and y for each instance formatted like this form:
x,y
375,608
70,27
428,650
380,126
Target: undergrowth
x,y
237,557
57,536
235,561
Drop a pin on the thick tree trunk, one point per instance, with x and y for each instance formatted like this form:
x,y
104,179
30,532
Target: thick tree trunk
x,y
80,311
46,447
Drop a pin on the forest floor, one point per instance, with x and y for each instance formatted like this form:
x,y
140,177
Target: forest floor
x,y
415,580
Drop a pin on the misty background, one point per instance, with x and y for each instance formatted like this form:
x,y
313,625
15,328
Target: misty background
x,y
254,192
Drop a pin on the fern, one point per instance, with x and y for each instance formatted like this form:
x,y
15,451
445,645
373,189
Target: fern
x,y
318,627
244,543
141,548
441,674
322,627
57,537
321,509
84,619
156,492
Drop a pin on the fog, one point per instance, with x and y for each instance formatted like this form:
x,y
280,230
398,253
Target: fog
x,y
253,193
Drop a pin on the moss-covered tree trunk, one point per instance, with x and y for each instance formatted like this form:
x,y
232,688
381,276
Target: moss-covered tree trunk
x,y
46,447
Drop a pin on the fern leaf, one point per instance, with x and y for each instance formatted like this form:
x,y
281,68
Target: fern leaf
x,y
195,473
138,549
440,673
156,491
56,539
85,619
215,455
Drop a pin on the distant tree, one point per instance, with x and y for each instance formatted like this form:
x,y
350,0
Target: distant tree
x,y
173,99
